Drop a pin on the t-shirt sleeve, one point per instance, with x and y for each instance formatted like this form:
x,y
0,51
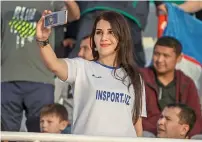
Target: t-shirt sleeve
x,y
144,111
74,65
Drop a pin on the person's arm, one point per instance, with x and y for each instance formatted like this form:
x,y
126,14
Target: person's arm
x,y
138,127
152,114
73,10
160,6
57,66
191,6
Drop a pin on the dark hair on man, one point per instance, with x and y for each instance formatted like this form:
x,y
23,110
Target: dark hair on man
x,y
55,109
124,57
186,116
171,42
85,37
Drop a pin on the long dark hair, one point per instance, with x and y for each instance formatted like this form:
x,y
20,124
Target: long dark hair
x,y
124,57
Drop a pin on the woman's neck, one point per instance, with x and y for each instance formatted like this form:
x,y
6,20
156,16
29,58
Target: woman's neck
x,y
108,61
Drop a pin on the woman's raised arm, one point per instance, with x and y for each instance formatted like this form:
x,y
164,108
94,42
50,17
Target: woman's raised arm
x,y
55,65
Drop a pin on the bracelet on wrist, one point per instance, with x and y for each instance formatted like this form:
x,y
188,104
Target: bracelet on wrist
x,y
42,43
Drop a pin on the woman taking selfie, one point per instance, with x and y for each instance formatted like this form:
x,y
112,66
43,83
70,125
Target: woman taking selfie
x,y
109,95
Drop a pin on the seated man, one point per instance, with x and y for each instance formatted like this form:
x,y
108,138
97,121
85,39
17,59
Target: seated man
x,y
176,121
165,85
85,51
54,119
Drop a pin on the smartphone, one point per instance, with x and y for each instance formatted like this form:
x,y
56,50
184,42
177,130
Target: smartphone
x,y
56,18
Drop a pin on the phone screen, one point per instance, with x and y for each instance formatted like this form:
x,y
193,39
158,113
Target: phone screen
x,y
51,19
56,18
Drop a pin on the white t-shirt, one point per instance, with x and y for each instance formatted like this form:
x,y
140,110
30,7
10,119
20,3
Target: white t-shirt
x,y
102,103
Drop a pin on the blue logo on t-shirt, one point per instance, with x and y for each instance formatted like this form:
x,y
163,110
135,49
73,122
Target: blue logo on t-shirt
x,y
113,97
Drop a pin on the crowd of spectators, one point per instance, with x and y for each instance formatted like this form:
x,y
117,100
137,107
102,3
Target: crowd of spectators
x,y
168,105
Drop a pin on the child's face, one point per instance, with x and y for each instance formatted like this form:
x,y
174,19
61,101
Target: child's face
x,y
52,124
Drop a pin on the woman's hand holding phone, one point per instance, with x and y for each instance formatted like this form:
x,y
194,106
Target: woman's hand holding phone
x,y
43,33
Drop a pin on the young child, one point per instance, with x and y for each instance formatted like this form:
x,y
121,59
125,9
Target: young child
x,y
53,118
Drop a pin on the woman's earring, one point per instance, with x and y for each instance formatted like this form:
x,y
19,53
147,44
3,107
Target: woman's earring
x,y
95,49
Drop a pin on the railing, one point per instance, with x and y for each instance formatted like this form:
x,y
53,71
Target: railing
x,y
37,137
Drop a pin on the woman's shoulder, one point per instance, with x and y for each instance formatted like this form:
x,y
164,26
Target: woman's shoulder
x,y
80,62
77,59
